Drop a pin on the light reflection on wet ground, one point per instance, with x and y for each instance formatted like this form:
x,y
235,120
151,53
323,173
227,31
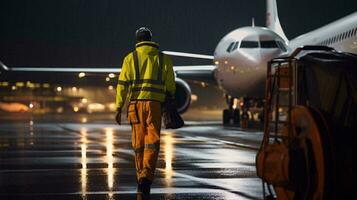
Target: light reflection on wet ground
x,y
64,158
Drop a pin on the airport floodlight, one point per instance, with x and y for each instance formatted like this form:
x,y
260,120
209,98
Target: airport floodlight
x,y
81,75
74,89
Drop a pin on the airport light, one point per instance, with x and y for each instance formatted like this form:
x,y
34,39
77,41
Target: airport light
x,y
75,109
84,100
216,62
110,87
235,103
30,105
81,75
46,85
111,107
107,79
59,110
84,120
20,84
280,109
111,75
95,107
225,62
194,97
5,84
13,87
30,85
59,89
74,89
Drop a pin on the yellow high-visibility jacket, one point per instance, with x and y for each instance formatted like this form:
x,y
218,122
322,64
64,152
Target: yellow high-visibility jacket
x,y
150,80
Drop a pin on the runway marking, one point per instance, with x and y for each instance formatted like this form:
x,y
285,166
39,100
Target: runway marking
x,y
232,143
215,183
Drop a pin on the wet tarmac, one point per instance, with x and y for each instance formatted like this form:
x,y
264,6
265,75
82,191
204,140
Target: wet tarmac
x,y
89,157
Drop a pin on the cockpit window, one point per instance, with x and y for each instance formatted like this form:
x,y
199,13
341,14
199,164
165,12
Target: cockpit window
x,y
268,44
229,49
249,44
235,46
281,46
232,46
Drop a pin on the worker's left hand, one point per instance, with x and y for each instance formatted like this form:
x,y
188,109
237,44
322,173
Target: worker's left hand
x,y
118,117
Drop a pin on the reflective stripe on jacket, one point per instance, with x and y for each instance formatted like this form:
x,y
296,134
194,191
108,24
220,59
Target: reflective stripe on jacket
x,y
150,80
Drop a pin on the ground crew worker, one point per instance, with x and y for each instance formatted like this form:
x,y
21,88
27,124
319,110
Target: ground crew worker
x,y
146,79
245,119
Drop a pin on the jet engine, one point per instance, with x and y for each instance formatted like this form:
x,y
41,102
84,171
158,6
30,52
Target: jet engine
x,y
182,95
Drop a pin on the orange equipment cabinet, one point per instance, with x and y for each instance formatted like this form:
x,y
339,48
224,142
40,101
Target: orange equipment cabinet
x,y
310,126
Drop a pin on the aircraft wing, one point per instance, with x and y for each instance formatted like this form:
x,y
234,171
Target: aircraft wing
x,y
204,73
188,55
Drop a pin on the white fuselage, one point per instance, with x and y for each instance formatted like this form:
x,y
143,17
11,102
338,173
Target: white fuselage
x,y
341,35
241,58
241,72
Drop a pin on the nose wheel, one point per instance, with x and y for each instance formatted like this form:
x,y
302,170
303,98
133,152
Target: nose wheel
x,y
231,116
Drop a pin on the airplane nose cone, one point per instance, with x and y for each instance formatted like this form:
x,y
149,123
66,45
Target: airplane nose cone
x,y
265,55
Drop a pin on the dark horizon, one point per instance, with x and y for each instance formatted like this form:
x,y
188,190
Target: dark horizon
x,y
88,33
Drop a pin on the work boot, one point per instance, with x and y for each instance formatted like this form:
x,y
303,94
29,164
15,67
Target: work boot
x,y
139,192
139,196
145,187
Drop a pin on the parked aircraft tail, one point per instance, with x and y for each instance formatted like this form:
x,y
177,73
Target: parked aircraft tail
x,y
273,21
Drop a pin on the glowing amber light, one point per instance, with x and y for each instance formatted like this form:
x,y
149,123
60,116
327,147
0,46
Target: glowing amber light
x,y
81,75
169,153
84,177
109,159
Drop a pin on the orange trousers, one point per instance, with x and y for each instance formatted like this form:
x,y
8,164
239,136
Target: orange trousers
x,y
145,119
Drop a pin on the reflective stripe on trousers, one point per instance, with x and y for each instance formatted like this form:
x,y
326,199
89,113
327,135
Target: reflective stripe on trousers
x,y
145,118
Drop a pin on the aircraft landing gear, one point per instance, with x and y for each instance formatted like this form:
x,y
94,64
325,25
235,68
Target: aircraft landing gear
x,y
248,113
231,116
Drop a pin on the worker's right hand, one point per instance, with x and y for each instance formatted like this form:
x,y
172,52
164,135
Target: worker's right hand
x,y
118,117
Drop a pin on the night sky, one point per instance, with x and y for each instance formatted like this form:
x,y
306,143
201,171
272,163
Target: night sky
x,y
101,33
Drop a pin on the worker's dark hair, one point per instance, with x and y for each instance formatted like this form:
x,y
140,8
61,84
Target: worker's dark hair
x,y
143,34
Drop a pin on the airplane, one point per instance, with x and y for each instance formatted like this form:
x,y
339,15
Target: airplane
x,y
240,59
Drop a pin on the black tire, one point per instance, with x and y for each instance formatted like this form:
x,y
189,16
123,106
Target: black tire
x,y
261,117
236,117
226,116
